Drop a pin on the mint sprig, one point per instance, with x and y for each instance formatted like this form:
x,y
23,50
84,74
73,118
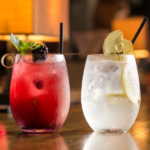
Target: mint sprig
x,y
22,46
15,41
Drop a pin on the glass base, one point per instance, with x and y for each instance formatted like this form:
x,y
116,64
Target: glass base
x,y
110,130
38,130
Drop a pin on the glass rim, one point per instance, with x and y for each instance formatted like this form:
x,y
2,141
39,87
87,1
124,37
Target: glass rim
x,y
16,57
112,57
110,54
34,54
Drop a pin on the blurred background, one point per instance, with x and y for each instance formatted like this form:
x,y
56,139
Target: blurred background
x,y
86,24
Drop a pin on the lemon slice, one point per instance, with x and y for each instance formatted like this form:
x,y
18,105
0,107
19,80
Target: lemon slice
x,y
111,40
128,47
130,82
116,95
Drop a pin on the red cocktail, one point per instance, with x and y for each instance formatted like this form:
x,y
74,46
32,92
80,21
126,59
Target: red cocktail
x,y
40,93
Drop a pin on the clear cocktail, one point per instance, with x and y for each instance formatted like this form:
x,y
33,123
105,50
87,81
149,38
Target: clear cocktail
x,y
105,104
110,86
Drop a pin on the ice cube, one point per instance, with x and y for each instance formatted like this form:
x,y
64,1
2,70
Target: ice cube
x,y
114,85
54,58
94,93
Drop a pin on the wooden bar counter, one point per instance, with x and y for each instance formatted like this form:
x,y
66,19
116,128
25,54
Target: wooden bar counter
x,y
75,134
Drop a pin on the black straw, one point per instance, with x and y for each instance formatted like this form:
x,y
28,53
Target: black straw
x,y
61,38
139,30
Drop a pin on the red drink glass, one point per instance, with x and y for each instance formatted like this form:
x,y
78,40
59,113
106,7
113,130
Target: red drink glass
x,y
40,93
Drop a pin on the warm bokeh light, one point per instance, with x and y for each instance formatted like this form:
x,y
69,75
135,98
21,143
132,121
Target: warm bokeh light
x,y
16,16
23,37
42,38
129,27
38,17
47,17
139,54
7,37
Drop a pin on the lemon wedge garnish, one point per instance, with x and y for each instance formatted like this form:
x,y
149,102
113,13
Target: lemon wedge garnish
x,y
109,46
128,47
111,40
130,82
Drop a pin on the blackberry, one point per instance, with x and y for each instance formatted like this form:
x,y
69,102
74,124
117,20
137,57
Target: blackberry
x,y
38,84
40,53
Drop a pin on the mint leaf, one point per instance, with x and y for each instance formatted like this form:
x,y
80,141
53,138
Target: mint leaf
x,y
30,44
15,41
36,46
25,50
22,46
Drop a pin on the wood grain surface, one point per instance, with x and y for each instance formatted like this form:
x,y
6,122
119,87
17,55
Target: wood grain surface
x,y
75,134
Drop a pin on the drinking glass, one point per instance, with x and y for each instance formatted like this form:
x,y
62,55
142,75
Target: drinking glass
x,y
110,92
40,93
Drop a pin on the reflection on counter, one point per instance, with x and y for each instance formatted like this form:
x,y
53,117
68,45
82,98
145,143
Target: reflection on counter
x,y
3,138
52,141
110,141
